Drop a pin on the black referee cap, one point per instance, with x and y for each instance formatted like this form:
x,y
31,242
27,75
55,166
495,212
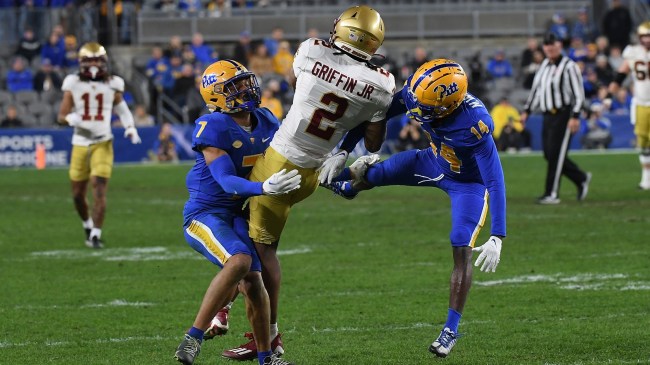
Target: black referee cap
x,y
551,38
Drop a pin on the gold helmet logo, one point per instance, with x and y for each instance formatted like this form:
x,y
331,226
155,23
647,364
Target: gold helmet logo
x,y
358,31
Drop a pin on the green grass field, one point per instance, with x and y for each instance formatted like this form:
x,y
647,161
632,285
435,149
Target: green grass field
x,y
365,281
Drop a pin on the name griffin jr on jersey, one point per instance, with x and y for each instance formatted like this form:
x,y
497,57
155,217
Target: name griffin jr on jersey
x,y
334,94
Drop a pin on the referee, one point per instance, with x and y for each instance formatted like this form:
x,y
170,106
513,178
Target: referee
x,y
558,92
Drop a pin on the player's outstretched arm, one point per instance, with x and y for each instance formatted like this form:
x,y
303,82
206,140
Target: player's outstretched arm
x,y
122,110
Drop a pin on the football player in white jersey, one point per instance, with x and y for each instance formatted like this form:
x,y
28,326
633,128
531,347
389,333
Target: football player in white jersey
x,y
337,90
637,62
89,98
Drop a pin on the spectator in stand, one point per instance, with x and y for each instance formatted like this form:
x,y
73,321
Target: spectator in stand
x,y
604,70
272,103
243,3
590,81
157,65
182,84
477,75
313,33
8,21
617,24
602,44
283,60
203,53
218,8
602,98
509,133
175,47
243,48
578,50
11,120
54,50
28,46
194,101
141,118
584,28
46,79
273,42
165,147
531,69
260,62
166,5
499,67
20,77
596,129
615,58
527,56
592,53
419,57
560,28
172,73
621,102
190,6
71,53
32,13
410,136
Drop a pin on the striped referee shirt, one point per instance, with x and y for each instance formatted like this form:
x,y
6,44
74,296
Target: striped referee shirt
x,y
556,86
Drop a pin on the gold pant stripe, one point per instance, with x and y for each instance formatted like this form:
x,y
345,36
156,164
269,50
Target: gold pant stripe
x,y
203,234
481,221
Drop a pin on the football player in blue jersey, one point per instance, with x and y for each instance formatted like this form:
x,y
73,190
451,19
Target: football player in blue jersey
x,y
227,142
462,161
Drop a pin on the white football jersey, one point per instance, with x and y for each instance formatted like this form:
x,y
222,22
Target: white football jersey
x,y
93,101
334,93
638,58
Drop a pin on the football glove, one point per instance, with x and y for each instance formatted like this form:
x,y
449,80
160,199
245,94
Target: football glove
x,y
333,166
281,182
73,119
133,135
490,254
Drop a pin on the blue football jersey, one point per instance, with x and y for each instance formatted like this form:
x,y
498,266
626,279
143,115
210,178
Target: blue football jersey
x,y
464,149
221,131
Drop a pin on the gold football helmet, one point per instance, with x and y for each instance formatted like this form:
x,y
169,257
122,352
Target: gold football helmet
x,y
93,61
643,31
228,87
435,90
358,31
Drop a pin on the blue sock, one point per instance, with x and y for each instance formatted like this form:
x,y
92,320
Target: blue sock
x,y
196,333
262,355
453,318
344,175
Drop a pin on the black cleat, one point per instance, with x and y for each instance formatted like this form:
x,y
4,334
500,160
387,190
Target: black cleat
x,y
189,348
95,242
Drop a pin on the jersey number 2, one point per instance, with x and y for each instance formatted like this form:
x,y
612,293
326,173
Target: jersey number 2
x,y
100,103
314,128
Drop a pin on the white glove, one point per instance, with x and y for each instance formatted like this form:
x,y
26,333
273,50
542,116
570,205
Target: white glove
x,y
490,254
133,135
281,182
73,119
333,166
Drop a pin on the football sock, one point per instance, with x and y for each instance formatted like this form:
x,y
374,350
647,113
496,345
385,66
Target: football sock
x,y
263,355
228,306
96,232
274,330
453,318
196,333
343,176
88,223
645,176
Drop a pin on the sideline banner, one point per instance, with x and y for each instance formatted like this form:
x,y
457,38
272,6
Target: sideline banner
x,y
18,146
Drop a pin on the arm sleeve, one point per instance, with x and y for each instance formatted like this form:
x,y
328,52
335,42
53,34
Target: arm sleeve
x,y
300,58
489,165
397,106
223,171
353,137
122,110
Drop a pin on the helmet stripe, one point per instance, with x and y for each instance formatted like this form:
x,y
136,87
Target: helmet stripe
x,y
430,71
234,64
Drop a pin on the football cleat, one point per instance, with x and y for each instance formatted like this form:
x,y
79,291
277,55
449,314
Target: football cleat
x,y
442,346
189,349
548,200
218,326
583,188
360,166
89,243
275,360
341,188
95,242
248,351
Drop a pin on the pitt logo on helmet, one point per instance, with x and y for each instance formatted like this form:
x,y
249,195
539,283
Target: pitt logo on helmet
x,y
228,87
435,90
